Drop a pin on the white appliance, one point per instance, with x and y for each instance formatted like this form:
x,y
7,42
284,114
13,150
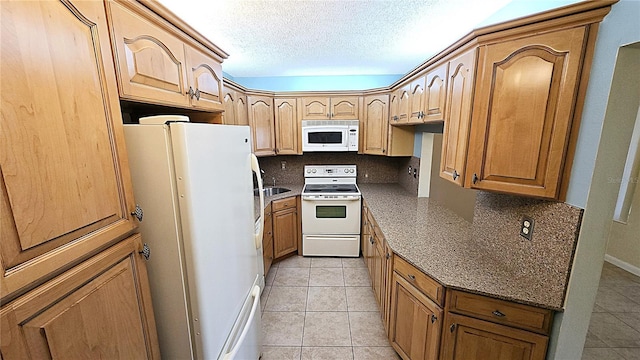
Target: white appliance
x,y
331,209
195,184
330,135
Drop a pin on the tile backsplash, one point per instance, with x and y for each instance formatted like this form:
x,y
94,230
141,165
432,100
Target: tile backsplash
x,y
371,169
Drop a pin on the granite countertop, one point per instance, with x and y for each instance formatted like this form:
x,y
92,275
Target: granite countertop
x,y
441,244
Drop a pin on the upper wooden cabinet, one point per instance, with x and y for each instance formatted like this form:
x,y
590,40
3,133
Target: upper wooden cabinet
x,y
262,124
286,127
523,110
435,95
416,101
65,187
403,105
325,108
394,106
235,108
458,116
156,65
375,124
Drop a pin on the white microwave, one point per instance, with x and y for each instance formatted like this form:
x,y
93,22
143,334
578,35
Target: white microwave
x,y
330,135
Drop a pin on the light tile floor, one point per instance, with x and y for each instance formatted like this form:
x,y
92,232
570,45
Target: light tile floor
x,y
322,308
614,330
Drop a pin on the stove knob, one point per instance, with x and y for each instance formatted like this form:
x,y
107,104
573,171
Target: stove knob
x,y
313,171
308,171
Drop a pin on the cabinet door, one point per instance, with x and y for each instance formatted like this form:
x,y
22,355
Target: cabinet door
x,y
315,108
286,121
242,117
456,125
523,112
416,101
416,322
150,61
394,99
229,100
344,108
376,124
65,187
267,240
378,269
261,120
285,232
403,104
99,309
204,75
468,338
435,96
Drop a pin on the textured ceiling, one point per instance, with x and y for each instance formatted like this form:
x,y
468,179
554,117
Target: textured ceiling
x,y
330,37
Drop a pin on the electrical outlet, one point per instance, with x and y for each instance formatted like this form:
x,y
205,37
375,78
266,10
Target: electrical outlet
x,y
415,173
526,227
410,168
283,165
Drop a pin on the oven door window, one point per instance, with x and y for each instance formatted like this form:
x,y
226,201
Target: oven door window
x,y
324,137
331,212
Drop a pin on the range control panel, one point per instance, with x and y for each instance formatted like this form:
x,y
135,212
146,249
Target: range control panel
x,y
326,171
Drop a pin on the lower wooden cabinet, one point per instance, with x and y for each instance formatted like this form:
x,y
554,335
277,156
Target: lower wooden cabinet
x,y
267,240
415,323
468,338
286,229
100,308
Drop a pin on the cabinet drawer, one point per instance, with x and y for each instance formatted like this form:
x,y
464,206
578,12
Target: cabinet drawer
x,y
282,204
500,311
415,277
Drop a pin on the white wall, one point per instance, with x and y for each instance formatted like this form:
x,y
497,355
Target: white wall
x,y
601,151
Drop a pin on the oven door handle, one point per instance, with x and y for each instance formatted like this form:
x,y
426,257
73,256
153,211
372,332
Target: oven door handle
x,y
314,198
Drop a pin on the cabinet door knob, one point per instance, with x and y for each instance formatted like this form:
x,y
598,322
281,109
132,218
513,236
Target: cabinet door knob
x,y
388,256
197,94
433,318
455,174
475,178
146,251
138,213
191,92
452,328
412,277
498,313
328,115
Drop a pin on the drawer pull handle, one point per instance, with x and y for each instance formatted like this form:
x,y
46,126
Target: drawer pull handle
x,y
412,277
498,313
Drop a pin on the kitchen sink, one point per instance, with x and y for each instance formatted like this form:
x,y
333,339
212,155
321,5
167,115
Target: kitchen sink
x,y
270,191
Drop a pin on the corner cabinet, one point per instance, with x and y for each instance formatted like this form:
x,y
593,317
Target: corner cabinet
x,y
262,124
155,65
286,127
73,284
526,91
378,137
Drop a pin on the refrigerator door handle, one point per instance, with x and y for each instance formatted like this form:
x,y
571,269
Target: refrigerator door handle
x,y
255,167
256,302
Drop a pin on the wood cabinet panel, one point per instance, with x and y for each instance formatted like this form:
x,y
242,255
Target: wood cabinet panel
x,y
315,108
100,308
267,240
242,115
376,124
262,124
229,100
425,284
65,185
285,232
344,108
523,112
415,323
204,76
286,127
468,338
416,101
435,96
394,100
403,105
150,60
500,311
455,137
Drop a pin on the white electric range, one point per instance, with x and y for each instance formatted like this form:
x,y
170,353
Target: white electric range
x,y
331,208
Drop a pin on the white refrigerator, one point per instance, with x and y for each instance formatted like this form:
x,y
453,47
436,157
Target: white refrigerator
x,y
194,183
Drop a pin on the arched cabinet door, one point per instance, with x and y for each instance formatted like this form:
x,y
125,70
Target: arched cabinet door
x,y
150,61
376,124
523,112
65,187
205,80
262,124
286,126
